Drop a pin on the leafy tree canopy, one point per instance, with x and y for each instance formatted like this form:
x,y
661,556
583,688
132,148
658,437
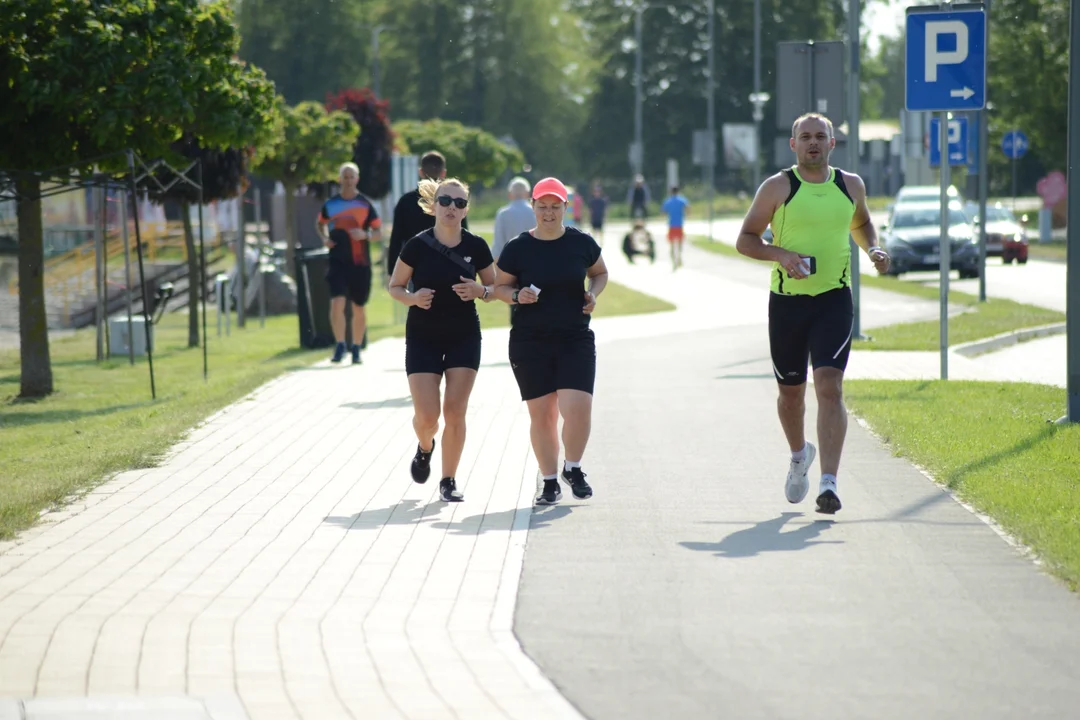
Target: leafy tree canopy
x,y
473,155
86,79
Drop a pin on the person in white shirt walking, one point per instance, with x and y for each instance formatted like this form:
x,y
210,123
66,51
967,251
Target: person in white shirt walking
x,y
514,218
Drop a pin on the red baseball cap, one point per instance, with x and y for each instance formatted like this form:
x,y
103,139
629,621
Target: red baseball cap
x,y
549,186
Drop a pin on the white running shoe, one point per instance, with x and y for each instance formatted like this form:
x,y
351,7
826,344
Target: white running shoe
x,y
798,482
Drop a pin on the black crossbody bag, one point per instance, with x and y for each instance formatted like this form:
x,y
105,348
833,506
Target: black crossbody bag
x,y
447,253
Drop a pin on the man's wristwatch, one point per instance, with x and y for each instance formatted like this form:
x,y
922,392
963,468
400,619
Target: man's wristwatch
x,y
486,293
514,297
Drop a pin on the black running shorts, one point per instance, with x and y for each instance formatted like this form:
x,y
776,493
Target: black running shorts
x,y
559,362
437,355
814,328
353,282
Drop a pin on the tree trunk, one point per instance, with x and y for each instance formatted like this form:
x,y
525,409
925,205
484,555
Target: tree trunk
x,y
290,231
194,277
37,380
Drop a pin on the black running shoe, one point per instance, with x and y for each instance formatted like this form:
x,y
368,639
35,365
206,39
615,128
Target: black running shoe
x,y
448,491
578,486
421,464
551,493
828,502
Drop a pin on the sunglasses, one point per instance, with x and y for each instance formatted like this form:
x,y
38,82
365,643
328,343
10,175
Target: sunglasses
x,y
459,203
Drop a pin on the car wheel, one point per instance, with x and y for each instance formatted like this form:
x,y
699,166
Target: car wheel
x,y
969,274
1022,261
1006,260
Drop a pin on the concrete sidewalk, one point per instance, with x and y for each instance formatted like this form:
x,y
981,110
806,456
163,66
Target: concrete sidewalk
x,y
281,564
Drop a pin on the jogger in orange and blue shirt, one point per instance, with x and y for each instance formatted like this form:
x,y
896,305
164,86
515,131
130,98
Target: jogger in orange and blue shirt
x,y
675,207
348,224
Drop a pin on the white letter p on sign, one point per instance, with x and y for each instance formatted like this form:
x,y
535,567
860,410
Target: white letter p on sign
x,y
934,58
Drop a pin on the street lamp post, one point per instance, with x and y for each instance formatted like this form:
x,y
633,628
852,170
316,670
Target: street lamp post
x,y
710,120
758,98
637,153
375,59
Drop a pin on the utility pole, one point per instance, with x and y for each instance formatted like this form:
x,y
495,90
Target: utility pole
x,y
637,152
375,59
758,98
710,120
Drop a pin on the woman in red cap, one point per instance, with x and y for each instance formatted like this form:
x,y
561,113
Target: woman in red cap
x,y
543,272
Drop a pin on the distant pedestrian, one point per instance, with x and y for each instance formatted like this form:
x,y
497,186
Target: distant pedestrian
x,y
639,197
348,224
442,333
514,218
409,219
543,273
675,207
577,207
639,241
812,208
597,210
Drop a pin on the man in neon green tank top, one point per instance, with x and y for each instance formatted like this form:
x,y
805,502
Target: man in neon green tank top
x,y
812,208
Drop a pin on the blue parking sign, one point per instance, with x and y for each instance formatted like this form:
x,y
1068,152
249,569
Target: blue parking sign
x,y
958,142
946,59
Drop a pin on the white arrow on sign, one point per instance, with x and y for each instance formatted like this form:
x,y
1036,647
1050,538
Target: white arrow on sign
x,y
965,93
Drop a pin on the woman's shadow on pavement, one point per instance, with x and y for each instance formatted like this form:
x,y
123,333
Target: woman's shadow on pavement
x,y
766,536
416,512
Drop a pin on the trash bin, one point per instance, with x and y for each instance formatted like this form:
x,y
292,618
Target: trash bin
x,y
313,298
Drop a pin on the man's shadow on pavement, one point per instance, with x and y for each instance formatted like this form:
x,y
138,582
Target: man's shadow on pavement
x,y
766,536
414,512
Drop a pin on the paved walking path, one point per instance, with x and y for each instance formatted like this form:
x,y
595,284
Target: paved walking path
x,y
280,563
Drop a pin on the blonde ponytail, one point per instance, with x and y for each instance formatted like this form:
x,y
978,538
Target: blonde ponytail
x,y
429,190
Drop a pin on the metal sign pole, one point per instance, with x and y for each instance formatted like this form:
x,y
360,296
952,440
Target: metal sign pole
x,y
984,123
944,249
854,18
1014,180
1072,292
984,174
202,273
241,270
99,252
127,275
258,266
133,190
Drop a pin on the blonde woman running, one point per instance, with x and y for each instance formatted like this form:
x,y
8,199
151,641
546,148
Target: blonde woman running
x,y
442,333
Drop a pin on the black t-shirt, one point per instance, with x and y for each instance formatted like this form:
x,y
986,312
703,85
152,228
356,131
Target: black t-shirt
x,y
558,268
448,314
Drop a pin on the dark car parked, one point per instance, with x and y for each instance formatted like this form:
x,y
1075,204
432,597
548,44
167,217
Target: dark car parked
x,y
913,239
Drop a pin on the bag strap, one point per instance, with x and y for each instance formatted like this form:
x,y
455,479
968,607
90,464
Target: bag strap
x,y
431,242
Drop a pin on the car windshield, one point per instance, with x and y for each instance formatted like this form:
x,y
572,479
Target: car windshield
x,y
999,214
915,194
921,195
924,217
